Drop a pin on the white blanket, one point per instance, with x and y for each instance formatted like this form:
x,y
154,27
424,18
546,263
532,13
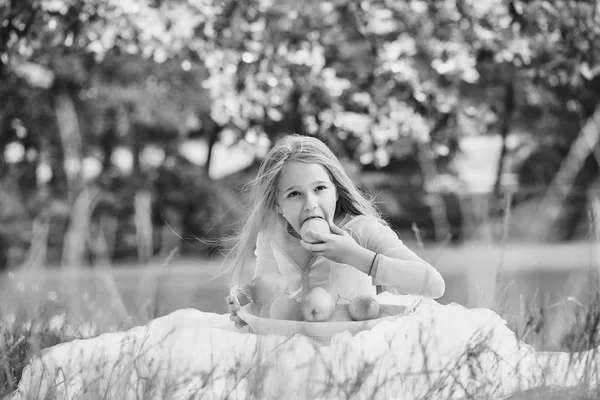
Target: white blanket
x,y
440,351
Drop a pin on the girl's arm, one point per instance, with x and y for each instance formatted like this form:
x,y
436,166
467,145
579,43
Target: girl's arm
x,y
395,265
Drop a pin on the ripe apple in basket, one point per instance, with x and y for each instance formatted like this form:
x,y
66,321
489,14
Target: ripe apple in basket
x,y
264,289
363,307
317,306
284,307
316,224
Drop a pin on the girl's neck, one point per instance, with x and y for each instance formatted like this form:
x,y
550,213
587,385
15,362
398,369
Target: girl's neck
x,y
341,218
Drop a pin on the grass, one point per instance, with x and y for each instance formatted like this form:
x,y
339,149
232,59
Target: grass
x,y
257,376
30,328
34,327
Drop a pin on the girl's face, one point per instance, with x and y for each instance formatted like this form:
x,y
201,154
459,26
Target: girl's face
x,y
305,191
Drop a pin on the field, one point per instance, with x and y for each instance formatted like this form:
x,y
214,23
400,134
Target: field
x,y
527,274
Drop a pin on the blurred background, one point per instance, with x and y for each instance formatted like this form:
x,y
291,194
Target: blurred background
x,y
128,129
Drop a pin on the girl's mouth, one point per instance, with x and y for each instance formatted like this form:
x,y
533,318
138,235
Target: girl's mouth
x,y
313,217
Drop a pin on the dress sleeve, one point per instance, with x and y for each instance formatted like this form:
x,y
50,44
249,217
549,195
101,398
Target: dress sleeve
x,y
397,266
265,260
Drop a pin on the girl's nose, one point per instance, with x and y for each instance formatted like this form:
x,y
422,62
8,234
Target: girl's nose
x,y
310,203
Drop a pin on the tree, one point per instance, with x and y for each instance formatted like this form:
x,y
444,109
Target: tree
x,y
375,79
541,60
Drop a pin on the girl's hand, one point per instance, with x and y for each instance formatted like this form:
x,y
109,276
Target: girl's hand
x,y
338,246
233,305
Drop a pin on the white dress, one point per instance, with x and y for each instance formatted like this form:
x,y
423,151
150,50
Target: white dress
x,y
439,352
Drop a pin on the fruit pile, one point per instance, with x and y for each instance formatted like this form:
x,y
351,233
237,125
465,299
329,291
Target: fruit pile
x,y
268,298
319,306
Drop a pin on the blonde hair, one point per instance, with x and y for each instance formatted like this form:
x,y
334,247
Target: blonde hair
x,y
263,191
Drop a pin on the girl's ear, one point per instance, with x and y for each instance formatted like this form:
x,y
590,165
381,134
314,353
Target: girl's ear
x,y
279,210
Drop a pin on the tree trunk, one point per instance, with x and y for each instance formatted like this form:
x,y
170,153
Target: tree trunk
x,y
213,131
3,168
70,135
75,244
439,213
135,147
102,237
172,231
509,106
552,206
143,225
108,140
36,254
101,243
576,205
4,126
80,199
209,154
143,196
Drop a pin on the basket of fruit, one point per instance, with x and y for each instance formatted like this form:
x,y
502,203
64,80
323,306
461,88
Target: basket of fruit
x,y
318,315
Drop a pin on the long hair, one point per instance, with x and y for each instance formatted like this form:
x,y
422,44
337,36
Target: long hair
x,y
263,191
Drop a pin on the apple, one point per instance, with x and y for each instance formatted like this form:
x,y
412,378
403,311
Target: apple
x,y
316,224
363,307
265,288
317,306
284,307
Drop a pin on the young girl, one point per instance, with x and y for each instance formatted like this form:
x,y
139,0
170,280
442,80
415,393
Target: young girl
x,y
301,179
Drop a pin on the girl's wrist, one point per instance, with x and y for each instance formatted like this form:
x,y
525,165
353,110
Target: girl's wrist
x,y
363,260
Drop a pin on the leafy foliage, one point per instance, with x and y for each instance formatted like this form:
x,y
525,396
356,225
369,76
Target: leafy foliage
x,y
401,66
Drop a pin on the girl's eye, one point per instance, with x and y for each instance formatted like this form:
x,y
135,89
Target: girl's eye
x,y
322,187
293,194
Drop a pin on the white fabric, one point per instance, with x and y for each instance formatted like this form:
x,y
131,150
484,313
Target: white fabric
x,y
444,352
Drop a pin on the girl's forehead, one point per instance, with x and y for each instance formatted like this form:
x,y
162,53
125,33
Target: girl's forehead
x,y
299,173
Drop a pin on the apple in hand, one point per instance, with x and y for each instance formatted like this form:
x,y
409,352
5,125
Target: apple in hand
x,y
265,288
363,307
316,224
317,306
284,307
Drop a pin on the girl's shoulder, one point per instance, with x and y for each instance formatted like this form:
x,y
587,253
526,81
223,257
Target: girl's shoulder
x,y
358,221
363,226
371,232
